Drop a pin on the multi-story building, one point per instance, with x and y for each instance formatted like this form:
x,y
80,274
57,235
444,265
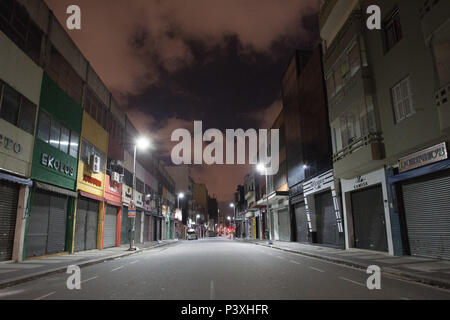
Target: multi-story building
x,y
213,215
200,205
66,146
240,207
389,118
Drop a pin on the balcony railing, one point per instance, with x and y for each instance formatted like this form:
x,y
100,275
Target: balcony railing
x,y
356,145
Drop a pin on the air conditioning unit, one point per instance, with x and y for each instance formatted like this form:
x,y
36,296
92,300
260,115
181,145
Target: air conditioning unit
x,y
115,177
94,162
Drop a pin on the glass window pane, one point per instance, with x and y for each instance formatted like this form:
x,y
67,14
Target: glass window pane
x,y
44,127
10,105
64,142
74,142
55,133
27,116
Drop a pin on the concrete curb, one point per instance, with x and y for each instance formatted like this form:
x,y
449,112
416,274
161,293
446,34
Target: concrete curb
x,y
38,275
386,270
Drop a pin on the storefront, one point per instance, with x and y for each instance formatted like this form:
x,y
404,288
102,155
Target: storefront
x,y
49,224
140,217
302,221
20,91
113,213
91,207
421,191
322,204
278,220
125,228
366,212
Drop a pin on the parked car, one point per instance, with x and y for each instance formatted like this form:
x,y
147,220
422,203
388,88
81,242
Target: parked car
x,y
191,235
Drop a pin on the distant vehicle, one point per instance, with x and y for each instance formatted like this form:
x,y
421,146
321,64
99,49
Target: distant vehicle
x,y
191,235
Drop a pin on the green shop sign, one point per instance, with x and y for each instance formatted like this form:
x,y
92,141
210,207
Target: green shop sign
x,y
53,163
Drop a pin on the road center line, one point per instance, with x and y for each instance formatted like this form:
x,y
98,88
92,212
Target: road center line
x,y
354,282
134,262
121,267
89,279
47,295
294,262
315,269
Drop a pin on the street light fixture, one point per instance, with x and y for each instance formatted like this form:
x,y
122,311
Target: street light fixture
x,y
180,196
262,168
142,143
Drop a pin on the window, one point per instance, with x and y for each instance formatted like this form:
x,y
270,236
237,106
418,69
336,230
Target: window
x,y
87,150
44,127
57,135
16,109
392,31
74,143
354,58
330,85
402,100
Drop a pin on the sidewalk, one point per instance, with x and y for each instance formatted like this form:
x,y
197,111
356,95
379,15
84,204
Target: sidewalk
x,y
425,270
14,273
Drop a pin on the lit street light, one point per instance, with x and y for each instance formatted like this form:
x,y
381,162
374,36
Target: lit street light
x,y
142,144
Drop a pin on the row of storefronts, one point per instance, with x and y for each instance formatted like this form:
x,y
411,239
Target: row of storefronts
x,y
58,194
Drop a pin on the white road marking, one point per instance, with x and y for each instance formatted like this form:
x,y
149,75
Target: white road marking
x,y
294,262
315,269
118,268
212,291
280,257
47,295
354,282
89,279
134,262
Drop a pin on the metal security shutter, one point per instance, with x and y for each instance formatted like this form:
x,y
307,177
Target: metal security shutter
x,y
57,225
368,219
283,223
125,227
80,225
427,209
109,239
301,222
8,212
147,228
138,227
92,225
158,221
327,230
154,229
36,239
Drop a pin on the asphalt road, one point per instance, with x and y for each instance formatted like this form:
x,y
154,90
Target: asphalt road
x,y
219,269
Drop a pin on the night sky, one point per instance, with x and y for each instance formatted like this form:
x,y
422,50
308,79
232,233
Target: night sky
x,y
170,62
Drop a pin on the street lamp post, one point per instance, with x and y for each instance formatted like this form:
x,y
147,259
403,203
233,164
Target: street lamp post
x,y
141,143
180,196
263,168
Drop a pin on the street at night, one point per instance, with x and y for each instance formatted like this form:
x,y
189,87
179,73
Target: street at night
x,y
220,269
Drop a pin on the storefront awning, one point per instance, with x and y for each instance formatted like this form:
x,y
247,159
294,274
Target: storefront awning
x,y
48,187
14,179
274,196
435,167
114,203
91,196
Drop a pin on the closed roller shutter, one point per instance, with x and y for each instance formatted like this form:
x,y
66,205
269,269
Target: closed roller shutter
x,y
427,209
8,212
86,224
147,228
57,224
47,224
109,239
92,225
301,222
283,225
138,227
80,225
327,230
154,229
125,227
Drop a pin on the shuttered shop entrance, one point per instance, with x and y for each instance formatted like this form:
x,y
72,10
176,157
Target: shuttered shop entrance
x,y
301,222
368,219
147,226
86,224
125,227
109,235
47,224
327,230
8,212
138,227
427,211
283,225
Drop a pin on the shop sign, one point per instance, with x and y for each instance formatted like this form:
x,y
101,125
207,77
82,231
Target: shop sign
x,y
422,158
132,210
56,164
92,180
360,182
317,184
10,144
